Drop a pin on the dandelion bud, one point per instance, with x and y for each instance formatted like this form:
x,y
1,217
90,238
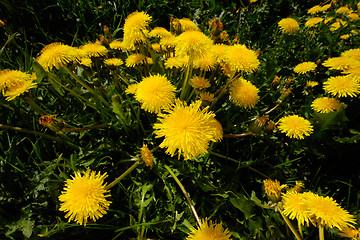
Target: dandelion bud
x,y
289,81
257,125
275,82
286,92
273,190
223,37
216,27
270,126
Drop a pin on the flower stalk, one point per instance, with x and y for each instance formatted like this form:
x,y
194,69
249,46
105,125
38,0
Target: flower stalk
x,y
117,180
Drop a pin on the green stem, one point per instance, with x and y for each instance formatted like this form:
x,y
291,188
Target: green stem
x,y
185,193
293,230
300,230
223,88
184,89
321,232
117,180
30,100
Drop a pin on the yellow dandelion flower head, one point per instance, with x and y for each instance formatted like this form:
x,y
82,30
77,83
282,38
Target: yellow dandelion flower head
x,y
315,9
146,156
174,62
135,59
206,62
136,28
219,51
244,93
209,231
199,82
313,21
206,96
325,105
352,53
155,93
56,55
344,9
217,129
156,47
188,25
342,86
289,25
118,45
113,62
273,189
298,187
131,89
345,36
13,83
193,43
86,62
84,197
295,207
338,24
295,126
240,58
325,7
328,20
358,5
326,212
93,50
353,17
350,232
168,42
341,63
2,24
305,67
159,32
17,89
186,129
353,72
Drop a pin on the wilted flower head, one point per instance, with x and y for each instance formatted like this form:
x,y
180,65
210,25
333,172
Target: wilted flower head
x,y
295,126
289,25
240,58
244,93
342,86
209,231
273,189
350,232
146,156
84,197
325,105
13,83
305,67
187,129
93,50
193,43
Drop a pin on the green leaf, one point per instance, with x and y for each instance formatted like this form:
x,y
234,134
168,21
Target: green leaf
x,y
244,205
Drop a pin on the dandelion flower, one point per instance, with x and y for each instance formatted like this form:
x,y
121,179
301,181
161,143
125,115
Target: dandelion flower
x,y
352,53
156,47
93,50
209,231
146,156
118,45
155,93
186,129
305,67
294,207
273,189
324,211
206,96
353,72
342,86
199,82
135,59
289,25
174,62
219,51
341,63
353,17
298,186
315,9
244,93
113,62
295,126
86,62
344,9
325,105
193,43
56,55
84,197
168,42
136,28
131,89
14,83
313,21
338,24
206,62
188,25
239,58
350,232
325,7
159,32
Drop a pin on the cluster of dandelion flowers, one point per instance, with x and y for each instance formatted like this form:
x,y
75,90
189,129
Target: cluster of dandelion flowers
x,y
305,67
146,156
273,189
244,93
13,83
84,197
187,129
209,231
240,58
192,43
342,86
136,28
294,207
325,104
57,55
93,50
295,126
199,82
289,25
155,93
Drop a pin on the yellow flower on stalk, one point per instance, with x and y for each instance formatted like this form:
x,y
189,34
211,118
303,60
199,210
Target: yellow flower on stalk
x,y
338,24
313,21
146,156
131,89
342,86
305,67
193,43
56,55
168,42
325,105
244,93
353,17
188,25
187,129
199,82
113,62
325,7
206,62
93,50
324,211
273,189
136,29
174,62
341,63
155,93
289,25
240,58
344,9
84,197
350,232
209,231
352,53
295,207
315,9
2,24
345,36
118,45
14,83
159,32
298,187
206,96
137,59
295,126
